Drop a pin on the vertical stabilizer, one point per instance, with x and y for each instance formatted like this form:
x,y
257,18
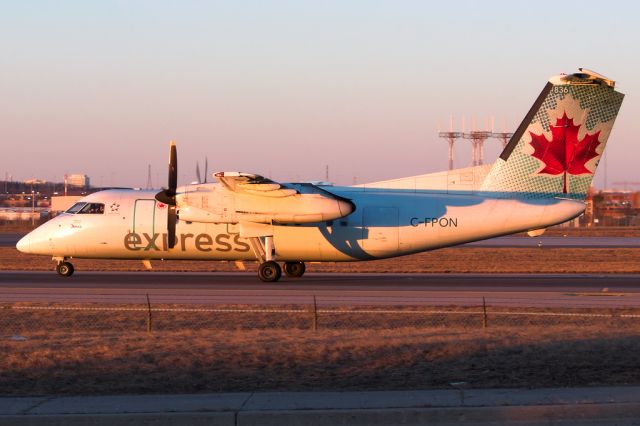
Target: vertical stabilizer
x,y
557,147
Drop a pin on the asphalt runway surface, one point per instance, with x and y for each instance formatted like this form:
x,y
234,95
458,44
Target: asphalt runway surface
x,y
523,290
10,240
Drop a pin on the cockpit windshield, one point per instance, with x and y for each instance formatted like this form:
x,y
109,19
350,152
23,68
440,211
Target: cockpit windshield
x,y
76,208
92,208
86,208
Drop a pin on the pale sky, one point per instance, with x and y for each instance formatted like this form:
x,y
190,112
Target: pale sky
x,y
283,88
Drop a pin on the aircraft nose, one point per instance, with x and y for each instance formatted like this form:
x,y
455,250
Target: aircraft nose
x,y
24,245
39,241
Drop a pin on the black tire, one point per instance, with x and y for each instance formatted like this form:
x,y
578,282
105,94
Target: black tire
x,y
294,269
65,269
269,272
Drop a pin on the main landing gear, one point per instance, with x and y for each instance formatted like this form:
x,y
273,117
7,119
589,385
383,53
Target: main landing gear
x,y
294,269
269,270
64,268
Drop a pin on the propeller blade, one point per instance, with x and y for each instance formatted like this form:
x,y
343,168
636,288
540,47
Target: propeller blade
x,y
198,173
206,168
173,169
172,218
168,195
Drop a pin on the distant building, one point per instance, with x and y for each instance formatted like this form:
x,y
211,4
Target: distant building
x,y
17,214
79,181
35,182
612,208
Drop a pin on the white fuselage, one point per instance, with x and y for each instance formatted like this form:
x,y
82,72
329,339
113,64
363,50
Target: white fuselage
x,y
385,223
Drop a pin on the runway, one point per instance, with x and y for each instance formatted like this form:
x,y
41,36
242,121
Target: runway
x,y
10,240
524,290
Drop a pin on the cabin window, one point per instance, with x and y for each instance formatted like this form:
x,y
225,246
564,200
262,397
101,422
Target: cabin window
x,y
76,208
92,208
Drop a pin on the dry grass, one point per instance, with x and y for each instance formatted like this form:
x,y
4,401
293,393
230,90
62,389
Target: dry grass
x,y
212,361
450,260
72,358
27,318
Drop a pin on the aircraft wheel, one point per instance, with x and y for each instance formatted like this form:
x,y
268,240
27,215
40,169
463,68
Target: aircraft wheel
x,y
294,269
65,269
269,271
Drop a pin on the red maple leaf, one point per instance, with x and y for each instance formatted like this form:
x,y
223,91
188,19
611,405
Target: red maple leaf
x,y
564,153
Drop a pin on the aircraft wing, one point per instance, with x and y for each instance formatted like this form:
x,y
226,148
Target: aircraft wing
x,y
248,183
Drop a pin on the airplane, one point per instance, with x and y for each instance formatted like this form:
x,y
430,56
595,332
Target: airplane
x,y
540,179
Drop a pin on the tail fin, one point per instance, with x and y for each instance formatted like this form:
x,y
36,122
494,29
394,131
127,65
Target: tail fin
x,y
557,147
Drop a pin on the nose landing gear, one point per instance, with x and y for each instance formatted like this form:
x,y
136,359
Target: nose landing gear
x,y
65,269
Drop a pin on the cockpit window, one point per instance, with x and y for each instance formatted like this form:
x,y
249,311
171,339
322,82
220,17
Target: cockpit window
x,y
75,208
92,208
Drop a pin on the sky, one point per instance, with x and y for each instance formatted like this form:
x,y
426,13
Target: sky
x,y
285,88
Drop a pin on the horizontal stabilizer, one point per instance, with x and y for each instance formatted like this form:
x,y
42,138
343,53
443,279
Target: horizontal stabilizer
x,y
463,180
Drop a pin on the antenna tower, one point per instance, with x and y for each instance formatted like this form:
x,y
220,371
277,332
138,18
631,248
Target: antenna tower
x,y
451,137
477,138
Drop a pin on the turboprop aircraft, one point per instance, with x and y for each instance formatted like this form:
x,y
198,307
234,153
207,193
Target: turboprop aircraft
x,y
540,179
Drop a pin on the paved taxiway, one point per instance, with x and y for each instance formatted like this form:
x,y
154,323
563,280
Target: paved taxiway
x,y
535,290
10,240
559,406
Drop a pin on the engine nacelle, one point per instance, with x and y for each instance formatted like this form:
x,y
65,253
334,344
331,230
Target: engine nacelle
x,y
304,204
195,214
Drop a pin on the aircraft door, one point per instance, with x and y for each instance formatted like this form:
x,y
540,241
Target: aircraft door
x,y
380,230
144,217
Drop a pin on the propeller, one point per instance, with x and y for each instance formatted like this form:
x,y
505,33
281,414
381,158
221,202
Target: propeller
x,y
168,195
206,167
